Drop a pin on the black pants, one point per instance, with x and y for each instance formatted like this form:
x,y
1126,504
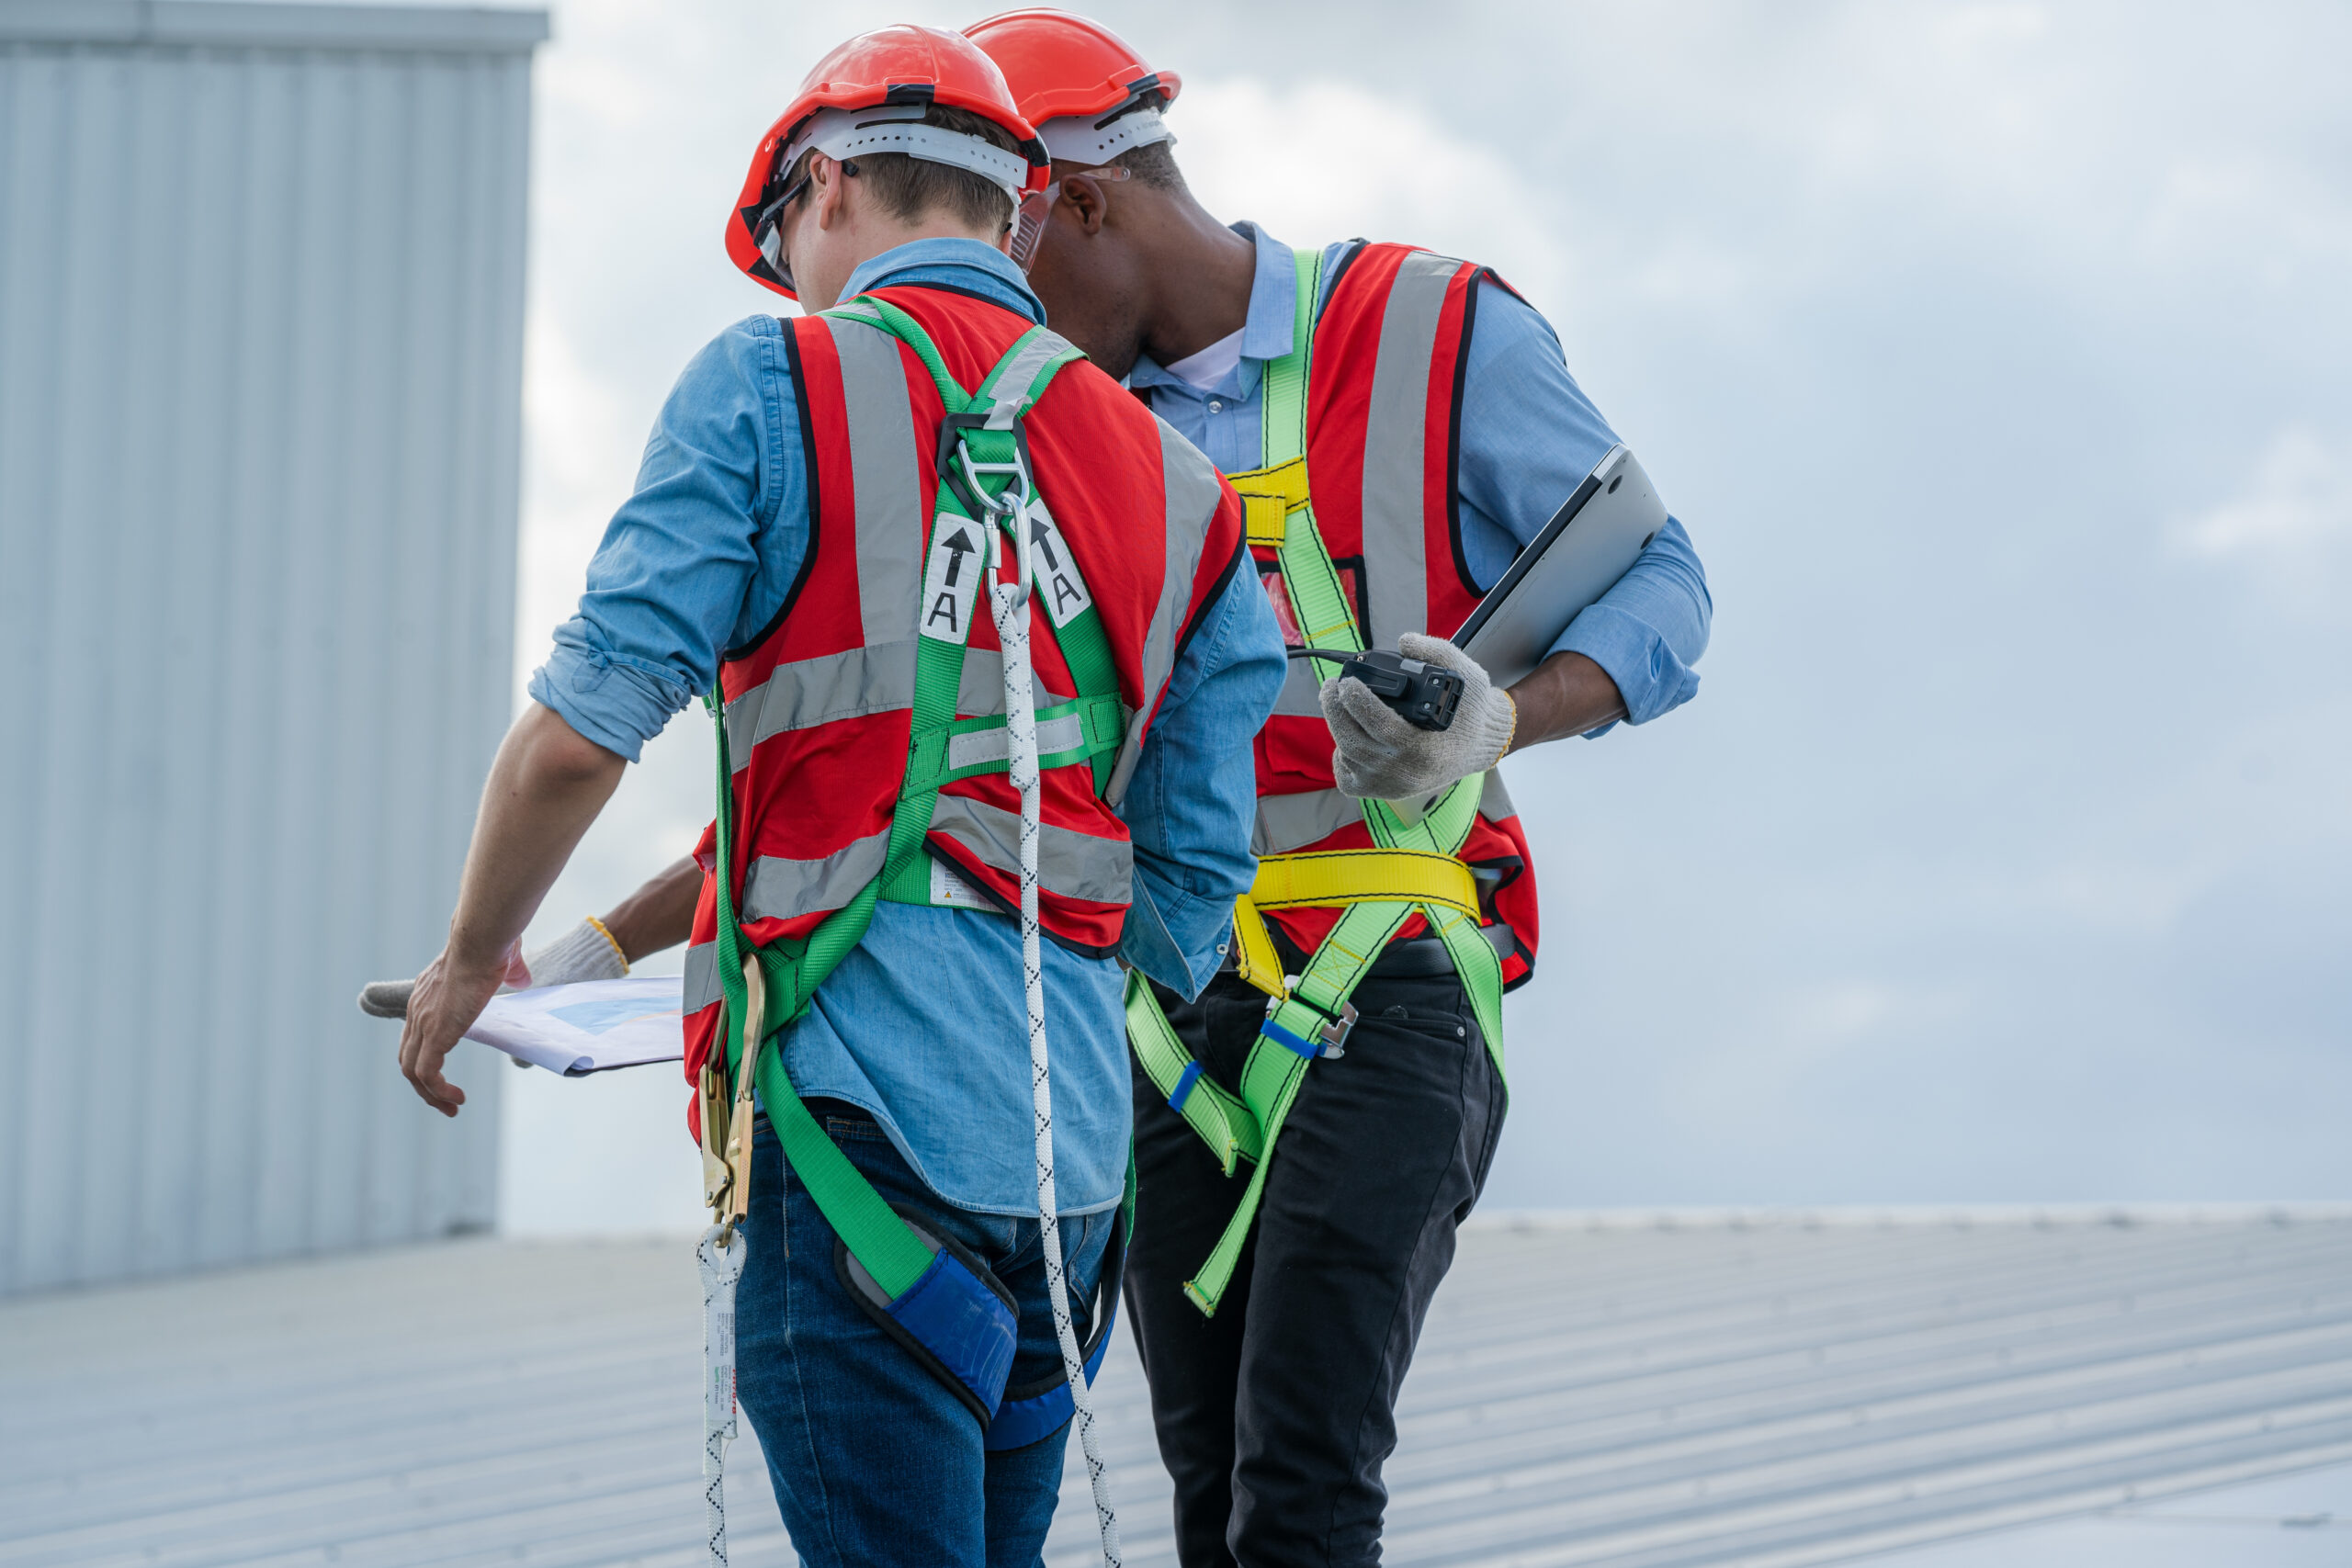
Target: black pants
x,y
1275,1415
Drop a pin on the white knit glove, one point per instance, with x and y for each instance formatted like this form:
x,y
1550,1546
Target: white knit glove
x,y
1379,756
586,952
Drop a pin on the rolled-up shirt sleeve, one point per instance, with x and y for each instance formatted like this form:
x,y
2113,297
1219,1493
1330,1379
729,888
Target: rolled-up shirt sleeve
x,y
671,584
1193,799
1529,437
1650,628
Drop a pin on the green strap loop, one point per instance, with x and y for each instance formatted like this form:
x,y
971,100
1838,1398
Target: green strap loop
x,y
1224,1123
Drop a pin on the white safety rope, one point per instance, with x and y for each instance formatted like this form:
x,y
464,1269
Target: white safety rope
x,y
721,1267
1012,605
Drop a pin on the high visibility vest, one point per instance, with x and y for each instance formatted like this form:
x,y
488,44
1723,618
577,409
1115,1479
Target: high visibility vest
x,y
1382,440
819,707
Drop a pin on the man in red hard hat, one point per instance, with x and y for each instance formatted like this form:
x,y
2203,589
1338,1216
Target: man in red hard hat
x,y
983,660
1313,1128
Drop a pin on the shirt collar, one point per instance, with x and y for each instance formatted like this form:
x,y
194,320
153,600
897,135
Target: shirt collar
x,y
1267,327
957,263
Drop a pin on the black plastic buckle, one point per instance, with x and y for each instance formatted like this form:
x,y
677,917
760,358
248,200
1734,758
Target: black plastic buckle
x,y
962,475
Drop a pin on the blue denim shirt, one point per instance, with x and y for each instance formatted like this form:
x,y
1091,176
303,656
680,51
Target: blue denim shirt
x,y
923,1024
1529,437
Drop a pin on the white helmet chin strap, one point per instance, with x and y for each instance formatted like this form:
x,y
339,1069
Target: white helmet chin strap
x,y
842,134
1078,138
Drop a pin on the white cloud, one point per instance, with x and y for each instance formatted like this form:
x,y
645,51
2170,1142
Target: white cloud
x,y
1325,160
1806,1035
2300,497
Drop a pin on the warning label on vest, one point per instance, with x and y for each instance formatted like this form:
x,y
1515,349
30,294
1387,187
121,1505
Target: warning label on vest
x,y
1055,569
951,578
949,889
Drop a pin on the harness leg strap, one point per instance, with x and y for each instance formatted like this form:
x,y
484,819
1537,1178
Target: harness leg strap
x,y
1273,1074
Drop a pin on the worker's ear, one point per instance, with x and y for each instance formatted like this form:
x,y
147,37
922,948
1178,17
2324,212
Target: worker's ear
x,y
1088,201
827,191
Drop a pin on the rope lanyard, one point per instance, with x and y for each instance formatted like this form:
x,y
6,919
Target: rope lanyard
x,y
1012,603
985,480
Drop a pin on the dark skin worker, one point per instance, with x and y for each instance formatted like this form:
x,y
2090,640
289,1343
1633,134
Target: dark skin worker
x,y
1126,268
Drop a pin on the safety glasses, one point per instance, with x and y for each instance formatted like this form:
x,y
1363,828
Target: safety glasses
x,y
1029,218
768,233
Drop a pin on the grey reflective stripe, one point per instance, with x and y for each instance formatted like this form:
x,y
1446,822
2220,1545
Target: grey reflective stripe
x,y
1013,385
700,987
1064,734
1193,489
810,691
859,680
1494,801
1395,530
1300,696
1287,822
981,689
1070,864
775,888
891,513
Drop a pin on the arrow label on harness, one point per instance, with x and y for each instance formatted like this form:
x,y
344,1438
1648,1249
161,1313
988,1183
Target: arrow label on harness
x,y
951,584
1055,569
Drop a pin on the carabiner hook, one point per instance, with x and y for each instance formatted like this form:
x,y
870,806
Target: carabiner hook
x,y
1013,506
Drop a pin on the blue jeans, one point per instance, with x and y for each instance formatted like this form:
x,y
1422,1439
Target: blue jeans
x,y
873,1461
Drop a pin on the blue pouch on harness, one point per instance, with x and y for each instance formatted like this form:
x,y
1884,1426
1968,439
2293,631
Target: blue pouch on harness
x,y
958,1321
956,1318
1038,1409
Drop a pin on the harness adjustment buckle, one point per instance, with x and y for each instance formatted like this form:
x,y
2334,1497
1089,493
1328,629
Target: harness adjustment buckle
x,y
1332,1034
1335,1032
963,473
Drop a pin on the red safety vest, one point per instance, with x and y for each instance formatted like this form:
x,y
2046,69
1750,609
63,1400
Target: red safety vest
x,y
1384,419
819,707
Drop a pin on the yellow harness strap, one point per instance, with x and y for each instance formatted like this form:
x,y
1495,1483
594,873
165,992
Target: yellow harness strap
x,y
1268,497
1254,958
1328,877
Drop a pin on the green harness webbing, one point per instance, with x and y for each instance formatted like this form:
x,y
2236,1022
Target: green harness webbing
x,y
989,459
1313,1019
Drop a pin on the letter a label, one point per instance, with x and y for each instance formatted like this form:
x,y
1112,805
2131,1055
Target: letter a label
x,y
1056,571
951,578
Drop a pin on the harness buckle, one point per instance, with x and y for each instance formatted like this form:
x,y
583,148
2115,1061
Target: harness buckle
x,y
1331,1034
1335,1031
963,474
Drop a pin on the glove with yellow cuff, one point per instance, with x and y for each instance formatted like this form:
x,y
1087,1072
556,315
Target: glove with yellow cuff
x,y
586,952
1379,755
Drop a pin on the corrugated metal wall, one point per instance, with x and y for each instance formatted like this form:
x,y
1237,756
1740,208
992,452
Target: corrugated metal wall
x,y
261,295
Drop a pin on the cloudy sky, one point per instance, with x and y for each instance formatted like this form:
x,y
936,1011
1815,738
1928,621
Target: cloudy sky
x,y
1995,356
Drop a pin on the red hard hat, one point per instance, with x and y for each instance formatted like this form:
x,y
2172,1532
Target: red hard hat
x,y
1060,64
907,68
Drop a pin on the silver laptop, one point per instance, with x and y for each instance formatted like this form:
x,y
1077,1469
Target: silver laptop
x,y
1579,555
